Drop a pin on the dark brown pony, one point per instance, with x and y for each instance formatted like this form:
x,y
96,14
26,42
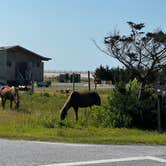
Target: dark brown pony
x,y
9,93
77,99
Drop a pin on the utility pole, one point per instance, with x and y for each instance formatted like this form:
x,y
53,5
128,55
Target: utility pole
x,y
159,98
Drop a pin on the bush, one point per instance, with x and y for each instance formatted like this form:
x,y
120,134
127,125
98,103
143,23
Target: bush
x,y
128,110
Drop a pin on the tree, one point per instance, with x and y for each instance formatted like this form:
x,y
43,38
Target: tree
x,y
103,73
116,75
120,75
143,54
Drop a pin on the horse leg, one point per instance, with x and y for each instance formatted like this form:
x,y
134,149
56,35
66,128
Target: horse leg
x,y
76,113
3,103
11,104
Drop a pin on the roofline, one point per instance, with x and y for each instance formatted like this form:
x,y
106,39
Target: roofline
x,y
31,52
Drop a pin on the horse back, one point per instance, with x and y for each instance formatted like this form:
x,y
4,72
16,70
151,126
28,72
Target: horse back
x,y
94,98
85,99
7,92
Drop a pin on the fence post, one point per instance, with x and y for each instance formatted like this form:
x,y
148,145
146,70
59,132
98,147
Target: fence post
x,y
73,81
89,80
32,84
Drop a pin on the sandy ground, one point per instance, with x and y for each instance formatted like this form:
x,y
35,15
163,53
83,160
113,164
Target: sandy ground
x,y
48,74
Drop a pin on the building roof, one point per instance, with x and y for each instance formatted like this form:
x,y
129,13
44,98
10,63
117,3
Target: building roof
x,y
28,52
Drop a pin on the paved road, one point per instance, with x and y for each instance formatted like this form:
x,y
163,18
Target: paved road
x,y
31,153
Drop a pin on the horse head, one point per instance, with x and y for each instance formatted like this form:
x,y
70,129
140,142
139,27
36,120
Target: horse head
x,y
65,108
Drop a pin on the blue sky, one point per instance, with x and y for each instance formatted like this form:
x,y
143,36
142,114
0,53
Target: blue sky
x,y
63,29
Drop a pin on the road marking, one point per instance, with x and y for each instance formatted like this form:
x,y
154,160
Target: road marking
x,y
66,144
156,159
108,161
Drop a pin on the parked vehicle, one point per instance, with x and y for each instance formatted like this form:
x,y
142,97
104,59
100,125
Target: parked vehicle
x,y
44,84
2,84
24,87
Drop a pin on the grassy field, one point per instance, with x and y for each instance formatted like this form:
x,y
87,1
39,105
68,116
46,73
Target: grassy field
x,y
38,119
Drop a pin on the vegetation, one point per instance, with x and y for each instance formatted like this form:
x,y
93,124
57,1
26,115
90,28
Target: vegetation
x,y
129,111
38,119
114,74
144,54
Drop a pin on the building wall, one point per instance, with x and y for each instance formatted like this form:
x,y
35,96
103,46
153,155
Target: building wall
x,y
3,72
37,70
9,61
35,65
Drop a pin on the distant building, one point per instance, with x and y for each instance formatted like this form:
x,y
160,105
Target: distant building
x,y
77,78
63,77
19,65
69,77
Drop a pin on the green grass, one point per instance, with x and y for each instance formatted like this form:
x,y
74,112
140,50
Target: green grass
x,y
84,135
38,119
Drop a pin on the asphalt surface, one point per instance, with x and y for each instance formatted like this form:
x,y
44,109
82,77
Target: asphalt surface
x,y
31,153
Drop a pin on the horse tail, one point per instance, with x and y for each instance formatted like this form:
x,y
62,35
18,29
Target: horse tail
x,y
65,108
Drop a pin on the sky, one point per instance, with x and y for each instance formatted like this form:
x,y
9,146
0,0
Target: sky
x,y
63,29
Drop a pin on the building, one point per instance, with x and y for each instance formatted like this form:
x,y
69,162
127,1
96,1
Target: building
x,y
68,77
19,65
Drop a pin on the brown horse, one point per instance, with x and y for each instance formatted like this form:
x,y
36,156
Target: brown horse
x,y
9,93
77,99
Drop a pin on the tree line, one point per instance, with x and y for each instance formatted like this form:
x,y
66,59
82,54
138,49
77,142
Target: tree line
x,y
114,75
117,74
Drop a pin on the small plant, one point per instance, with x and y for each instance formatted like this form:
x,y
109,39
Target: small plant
x,y
45,94
49,122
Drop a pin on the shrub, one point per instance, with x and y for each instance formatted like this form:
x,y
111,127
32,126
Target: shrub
x,y
127,110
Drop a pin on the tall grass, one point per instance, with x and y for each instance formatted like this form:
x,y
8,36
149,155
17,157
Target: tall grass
x,y
39,118
43,109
